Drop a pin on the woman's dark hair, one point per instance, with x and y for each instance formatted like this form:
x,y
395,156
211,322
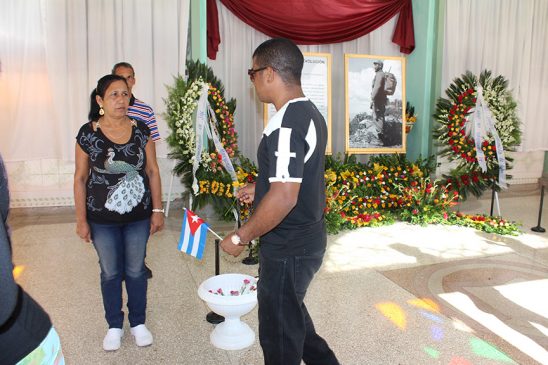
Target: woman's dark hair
x,y
283,56
102,86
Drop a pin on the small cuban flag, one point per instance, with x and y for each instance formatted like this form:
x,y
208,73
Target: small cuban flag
x,y
193,235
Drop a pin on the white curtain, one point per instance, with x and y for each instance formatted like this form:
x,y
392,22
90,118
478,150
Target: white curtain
x,y
508,37
52,53
239,40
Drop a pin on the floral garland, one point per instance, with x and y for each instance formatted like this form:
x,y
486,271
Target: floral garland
x,y
215,184
184,132
451,134
390,188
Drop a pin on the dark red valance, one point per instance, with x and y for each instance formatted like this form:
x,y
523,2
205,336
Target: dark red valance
x,y
324,21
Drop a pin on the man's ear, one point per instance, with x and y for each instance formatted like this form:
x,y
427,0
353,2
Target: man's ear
x,y
270,74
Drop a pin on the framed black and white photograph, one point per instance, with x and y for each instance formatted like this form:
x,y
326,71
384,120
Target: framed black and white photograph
x,y
375,104
316,84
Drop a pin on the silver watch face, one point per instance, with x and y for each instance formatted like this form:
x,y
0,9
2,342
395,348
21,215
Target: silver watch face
x,y
235,239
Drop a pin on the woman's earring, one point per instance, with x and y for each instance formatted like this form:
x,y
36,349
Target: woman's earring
x,y
101,111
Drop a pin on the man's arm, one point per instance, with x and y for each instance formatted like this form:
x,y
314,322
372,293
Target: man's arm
x,y
8,287
273,208
377,85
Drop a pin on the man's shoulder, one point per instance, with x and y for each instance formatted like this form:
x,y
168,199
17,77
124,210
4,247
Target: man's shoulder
x,y
139,104
299,108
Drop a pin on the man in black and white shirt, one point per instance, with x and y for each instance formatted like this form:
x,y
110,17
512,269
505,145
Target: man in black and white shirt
x,y
289,199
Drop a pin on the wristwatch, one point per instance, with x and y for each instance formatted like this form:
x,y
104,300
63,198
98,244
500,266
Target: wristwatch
x,y
158,210
235,239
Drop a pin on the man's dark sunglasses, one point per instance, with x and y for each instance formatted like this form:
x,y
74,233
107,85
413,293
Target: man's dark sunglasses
x,y
251,72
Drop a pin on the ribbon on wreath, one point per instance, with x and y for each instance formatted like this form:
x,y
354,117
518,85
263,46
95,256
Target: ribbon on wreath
x,y
481,126
204,126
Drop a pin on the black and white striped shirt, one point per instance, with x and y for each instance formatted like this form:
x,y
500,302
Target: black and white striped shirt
x,y
292,149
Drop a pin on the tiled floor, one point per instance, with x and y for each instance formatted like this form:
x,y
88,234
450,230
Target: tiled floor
x,y
398,294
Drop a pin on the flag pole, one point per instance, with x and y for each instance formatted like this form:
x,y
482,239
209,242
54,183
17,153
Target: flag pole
x,y
215,234
213,317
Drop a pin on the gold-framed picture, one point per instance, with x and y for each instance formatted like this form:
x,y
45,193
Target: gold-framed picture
x,y
375,104
316,84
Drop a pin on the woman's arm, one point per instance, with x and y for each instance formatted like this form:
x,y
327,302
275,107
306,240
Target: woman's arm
x,y
81,173
153,173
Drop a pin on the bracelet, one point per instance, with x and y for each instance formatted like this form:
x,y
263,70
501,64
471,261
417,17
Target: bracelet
x,y
158,210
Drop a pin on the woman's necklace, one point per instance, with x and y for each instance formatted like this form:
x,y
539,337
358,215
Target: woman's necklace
x,y
113,137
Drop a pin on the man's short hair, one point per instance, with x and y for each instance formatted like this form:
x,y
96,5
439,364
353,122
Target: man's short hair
x,y
378,62
122,64
283,56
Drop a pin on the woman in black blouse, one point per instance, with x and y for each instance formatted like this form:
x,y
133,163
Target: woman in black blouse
x,y
117,194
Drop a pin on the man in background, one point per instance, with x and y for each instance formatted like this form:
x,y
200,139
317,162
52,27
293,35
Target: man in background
x,y
138,109
378,99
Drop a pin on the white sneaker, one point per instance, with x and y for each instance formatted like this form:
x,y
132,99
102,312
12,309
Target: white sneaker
x,y
142,335
113,339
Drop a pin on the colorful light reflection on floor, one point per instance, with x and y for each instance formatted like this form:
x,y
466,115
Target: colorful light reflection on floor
x,y
429,309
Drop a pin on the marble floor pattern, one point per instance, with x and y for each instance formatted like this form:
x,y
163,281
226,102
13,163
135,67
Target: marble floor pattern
x,y
399,294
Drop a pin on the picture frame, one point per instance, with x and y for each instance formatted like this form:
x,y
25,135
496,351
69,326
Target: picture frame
x,y
316,84
374,126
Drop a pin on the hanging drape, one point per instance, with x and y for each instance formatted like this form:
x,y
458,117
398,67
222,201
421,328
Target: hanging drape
x,y
508,37
53,52
234,58
322,21
213,34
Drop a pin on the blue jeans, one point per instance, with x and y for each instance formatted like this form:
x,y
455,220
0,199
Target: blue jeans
x,y
121,249
286,331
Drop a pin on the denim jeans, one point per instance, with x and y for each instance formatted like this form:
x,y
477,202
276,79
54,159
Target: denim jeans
x,y
121,249
286,331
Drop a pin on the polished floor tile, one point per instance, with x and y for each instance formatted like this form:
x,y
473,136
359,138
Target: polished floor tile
x,y
399,294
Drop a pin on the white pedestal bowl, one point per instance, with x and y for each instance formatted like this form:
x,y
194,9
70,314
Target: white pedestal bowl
x,y
232,334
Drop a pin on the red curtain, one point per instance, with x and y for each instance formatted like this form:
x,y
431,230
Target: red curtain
x,y
213,35
321,21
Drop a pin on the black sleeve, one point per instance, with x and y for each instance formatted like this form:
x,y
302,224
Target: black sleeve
x,y
86,137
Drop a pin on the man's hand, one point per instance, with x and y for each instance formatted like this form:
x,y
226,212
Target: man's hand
x,y
229,247
246,194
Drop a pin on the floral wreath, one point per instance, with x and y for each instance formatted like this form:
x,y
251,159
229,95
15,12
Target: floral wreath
x,y
452,116
215,184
